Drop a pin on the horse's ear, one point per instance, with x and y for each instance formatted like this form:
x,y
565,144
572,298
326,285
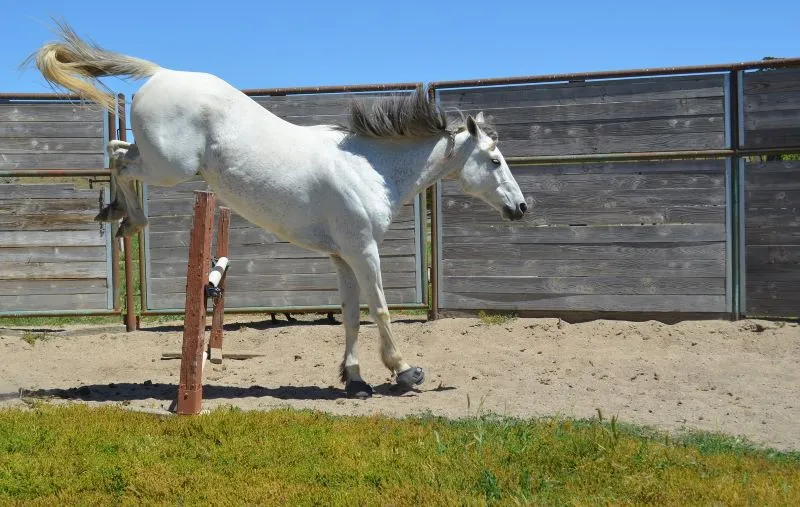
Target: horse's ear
x,y
472,126
479,118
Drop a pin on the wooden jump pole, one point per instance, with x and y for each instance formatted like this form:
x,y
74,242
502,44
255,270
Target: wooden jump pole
x,y
190,389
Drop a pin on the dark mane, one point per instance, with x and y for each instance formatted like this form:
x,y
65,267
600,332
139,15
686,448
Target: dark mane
x,y
404,116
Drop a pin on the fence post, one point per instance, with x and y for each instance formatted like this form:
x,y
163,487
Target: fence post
x,y
190,389
734,197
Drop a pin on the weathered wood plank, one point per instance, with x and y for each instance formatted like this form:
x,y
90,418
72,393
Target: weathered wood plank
x,y
611,303
178,207
57,145
772,138
182,223
582,285
772,199
21,112
772,255
599,216
772,218
50,206
772,101
766,235
589,198
767,307
172,267
775,289
16,192
10,161
782,176
286,282
662,167
64,254
548,182
47,270
62,287
51,129
661,88
655,251
772,120
277,299
590,234
54,302
282,251
317,104
645,267
249,236
610,144
536,131
771,81
706,106
63,222
51,238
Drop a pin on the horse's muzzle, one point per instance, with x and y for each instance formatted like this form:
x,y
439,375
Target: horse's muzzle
x,y
510,213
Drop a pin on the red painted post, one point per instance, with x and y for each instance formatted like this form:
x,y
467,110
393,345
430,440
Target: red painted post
x,y
190,390
215,342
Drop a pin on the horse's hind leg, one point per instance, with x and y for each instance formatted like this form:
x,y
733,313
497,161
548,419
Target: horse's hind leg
x,y
126,166
350,370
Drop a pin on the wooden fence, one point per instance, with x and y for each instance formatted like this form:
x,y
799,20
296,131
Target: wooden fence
x,y
771,251
53,257
267,273
636,233
655,192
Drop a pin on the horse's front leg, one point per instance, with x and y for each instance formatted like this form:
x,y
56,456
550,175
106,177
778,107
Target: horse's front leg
x,y
350,370
367,268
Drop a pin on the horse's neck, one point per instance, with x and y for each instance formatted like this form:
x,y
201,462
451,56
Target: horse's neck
x,y
409,166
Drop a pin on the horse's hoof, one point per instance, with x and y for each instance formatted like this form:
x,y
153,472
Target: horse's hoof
x,y
127,229
413,376
110,213
358,389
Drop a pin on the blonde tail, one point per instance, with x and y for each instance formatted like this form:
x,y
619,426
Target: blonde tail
x,y
75,65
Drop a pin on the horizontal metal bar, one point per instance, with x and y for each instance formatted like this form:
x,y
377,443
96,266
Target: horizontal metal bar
x,y
59,313
584,76
619,157
767,151
285,309
39,173
306,90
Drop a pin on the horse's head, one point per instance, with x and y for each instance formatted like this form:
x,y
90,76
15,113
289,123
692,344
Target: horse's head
x,y
485,173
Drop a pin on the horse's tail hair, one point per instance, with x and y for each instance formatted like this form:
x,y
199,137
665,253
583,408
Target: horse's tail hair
x,y
75,65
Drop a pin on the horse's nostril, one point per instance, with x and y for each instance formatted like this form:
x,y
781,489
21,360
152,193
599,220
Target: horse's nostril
x,y
523,207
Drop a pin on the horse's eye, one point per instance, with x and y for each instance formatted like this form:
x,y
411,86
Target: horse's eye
x,y
496,161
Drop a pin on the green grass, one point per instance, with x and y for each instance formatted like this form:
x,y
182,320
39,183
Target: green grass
x,y
78,455
495,318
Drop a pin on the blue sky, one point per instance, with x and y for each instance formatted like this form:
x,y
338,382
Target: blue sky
x,y
268,44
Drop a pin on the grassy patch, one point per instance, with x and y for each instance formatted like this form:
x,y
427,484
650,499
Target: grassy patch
x,y
495,319
78,455
31,338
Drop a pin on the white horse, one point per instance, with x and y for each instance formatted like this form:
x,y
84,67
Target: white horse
x,y
330,189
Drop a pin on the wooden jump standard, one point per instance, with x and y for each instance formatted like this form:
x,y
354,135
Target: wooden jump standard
x,y
200,285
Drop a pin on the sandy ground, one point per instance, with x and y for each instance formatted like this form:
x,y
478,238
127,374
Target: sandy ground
x,y
741,378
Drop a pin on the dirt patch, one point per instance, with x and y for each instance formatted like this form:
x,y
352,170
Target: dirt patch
x,y
741,378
